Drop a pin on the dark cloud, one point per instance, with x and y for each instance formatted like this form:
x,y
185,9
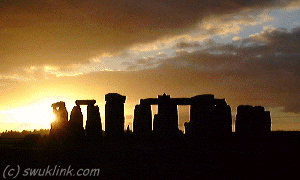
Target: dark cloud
x,y
262,69
270,81
181,52
126,63
145,61
182,45
130,65
265,72
276,41
162,55
141,63
252,73
52,32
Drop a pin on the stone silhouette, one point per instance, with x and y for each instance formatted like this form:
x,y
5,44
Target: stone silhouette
x,y
60,122
166,119
76,123
142,122
93,127
208,149
60,115
73,130
209,117
114,114
93,124
251,119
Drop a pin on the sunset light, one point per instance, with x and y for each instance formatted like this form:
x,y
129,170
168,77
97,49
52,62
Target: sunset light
x,y
244,52
34,115
37,114
118,82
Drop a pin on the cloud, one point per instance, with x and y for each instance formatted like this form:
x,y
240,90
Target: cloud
x,y
182,45
236,38
162,54
292,6
141,63
60,33
181,52
262,70
232,23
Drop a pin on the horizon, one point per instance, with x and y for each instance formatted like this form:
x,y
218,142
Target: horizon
x,y
183,116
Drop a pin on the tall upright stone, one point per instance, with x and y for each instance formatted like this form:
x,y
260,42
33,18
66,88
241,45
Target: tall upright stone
x,y
142,122
209,117
251,120
201,115
114,114
244,121
60,115
76,118
93,123
166,119
93,126
76,123
58,126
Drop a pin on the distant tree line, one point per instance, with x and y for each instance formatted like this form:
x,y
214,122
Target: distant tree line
x,y
22,134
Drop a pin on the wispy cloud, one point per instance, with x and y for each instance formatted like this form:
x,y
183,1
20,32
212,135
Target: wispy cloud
x,y
61,33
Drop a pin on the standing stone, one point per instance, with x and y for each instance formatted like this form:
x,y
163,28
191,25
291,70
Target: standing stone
x,y
251,120
166,119
93,123
76,123
142,123
114,114
60,114
209,117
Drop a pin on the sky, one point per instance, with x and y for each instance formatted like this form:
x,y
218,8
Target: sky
x,y
244,51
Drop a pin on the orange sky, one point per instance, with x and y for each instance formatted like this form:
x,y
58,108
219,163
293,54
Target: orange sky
x,y
241,51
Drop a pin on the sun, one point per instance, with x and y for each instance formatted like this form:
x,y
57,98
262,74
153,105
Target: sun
x,y
37,114
42,113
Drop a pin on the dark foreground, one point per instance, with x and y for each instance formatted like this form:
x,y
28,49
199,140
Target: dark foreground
x,y
275,156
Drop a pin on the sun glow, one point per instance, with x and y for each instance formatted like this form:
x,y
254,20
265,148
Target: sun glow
x,y
35,115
